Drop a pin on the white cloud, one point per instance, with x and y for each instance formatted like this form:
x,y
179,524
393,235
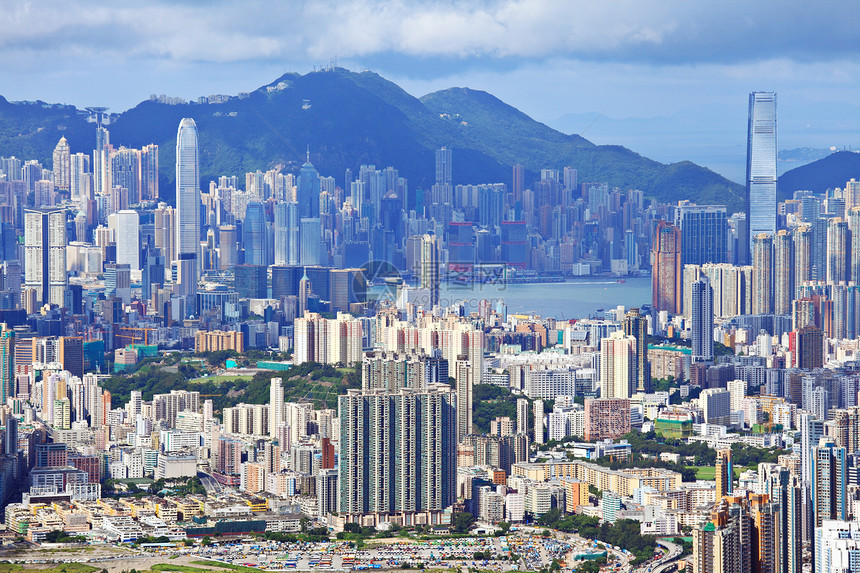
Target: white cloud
x,y
621,30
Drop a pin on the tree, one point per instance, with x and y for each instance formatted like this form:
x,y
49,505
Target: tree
x,y
206,541
463,522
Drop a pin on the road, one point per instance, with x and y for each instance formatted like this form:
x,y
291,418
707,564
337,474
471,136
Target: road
x,y
209,484
665,563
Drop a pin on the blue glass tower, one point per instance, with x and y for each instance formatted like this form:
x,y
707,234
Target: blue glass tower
x,y
761,164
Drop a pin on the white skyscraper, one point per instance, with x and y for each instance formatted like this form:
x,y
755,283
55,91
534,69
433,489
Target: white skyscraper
x,y
276,406
187,189
126,231
617,365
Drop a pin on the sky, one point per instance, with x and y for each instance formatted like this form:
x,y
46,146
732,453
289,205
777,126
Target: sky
x,y
584,66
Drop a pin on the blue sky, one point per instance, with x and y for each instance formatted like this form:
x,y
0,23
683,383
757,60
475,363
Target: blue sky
x,y
550,58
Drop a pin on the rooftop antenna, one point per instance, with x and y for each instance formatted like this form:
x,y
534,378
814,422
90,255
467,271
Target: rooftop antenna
x,y
98,112
309,153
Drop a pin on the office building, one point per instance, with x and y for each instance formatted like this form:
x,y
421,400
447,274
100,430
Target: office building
x,y
398,455
187,217
45,254
702,320
308,190
126,231
761,165
251,281
254,240
165,232
704,230
311,244
666,274
348,286
287,237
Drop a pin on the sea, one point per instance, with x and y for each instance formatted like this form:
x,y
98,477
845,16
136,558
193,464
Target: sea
x,y
576,298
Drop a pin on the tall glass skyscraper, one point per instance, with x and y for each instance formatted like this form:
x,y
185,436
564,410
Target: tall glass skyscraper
x,y
761,164
187,189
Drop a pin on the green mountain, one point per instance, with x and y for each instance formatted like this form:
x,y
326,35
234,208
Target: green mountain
x,y
819,176
347,119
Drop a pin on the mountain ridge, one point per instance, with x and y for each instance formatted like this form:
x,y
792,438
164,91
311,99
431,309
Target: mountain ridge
x,y
348,119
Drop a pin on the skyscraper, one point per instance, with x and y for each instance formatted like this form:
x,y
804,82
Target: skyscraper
x,y
45,254
829,482
702,319
429,271
126,226
761,164
254,234
704,232
723,473
762,253
783,283
666,275
853,215
308,190
62,166
636,325
802,257
617,366
463,374
838,251
276,406
443,166
187,189
7,364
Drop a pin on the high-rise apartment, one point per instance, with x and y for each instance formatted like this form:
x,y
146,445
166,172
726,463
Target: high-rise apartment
x,y
45,254
666,274
398,454
838,250
762,254
187,189
429,270
617,367
783,272
636,325
829,482
761,164
702,319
